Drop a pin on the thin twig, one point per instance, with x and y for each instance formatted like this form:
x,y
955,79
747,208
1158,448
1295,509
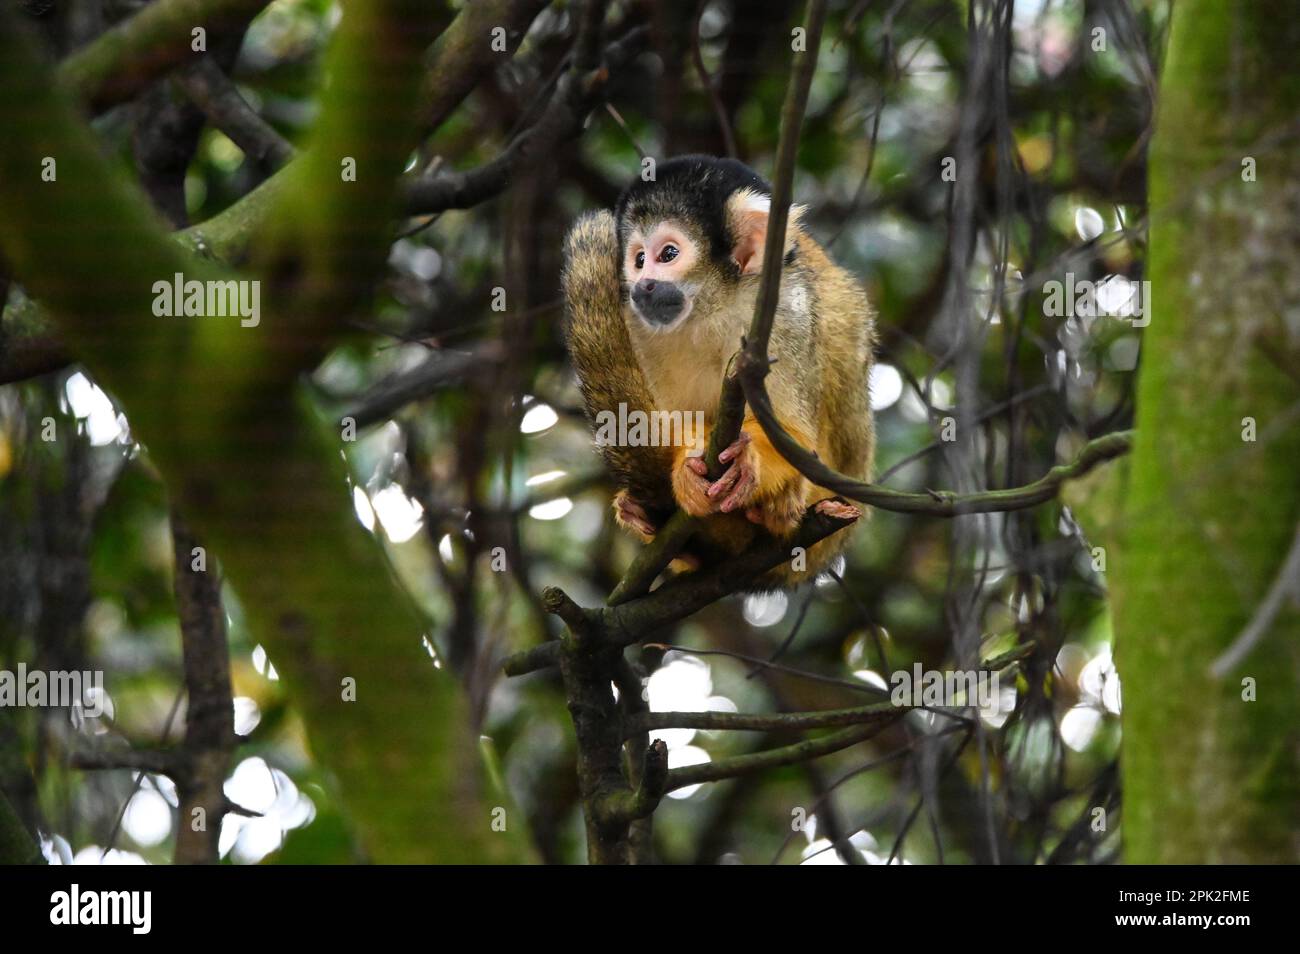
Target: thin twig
x,y
767,721
706,80
772,758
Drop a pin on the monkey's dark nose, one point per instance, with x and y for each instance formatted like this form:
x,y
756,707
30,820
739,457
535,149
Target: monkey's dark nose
x,y
659,303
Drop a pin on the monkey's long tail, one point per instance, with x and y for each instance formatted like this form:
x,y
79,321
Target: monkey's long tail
x,y
598,342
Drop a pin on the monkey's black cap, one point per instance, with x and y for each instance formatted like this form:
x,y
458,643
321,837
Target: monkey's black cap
x,y
691,189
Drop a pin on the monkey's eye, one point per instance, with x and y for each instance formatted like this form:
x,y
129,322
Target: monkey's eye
x,y
668,253
640,260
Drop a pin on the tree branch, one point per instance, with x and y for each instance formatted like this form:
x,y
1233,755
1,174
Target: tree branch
x,y
209,710
934,503
633,621
792,112
574,98
464,53
125,59
799,721
628,806
440,369
29,346
210,89
875,713
156,761
226,236
772,758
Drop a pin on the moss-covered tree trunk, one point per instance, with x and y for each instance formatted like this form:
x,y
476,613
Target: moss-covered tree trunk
x,y
226,421
1211,765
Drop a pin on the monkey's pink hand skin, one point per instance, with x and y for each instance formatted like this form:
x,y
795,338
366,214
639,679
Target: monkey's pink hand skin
x,y
739,481
758,482
699,496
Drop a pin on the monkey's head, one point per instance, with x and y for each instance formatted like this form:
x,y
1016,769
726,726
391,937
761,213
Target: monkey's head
x,y
693,233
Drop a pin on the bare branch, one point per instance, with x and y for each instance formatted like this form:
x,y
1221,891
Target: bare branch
x,y
877,712
628,806
125,59
440,369
710,87
463,54
792,111
631,622
213,92
573,99
934,503
772,758
160,761
209,712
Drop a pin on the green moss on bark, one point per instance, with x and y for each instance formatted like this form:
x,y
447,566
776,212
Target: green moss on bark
x,y
1208,776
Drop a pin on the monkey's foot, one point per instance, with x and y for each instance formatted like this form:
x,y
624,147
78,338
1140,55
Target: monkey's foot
x,y
841,509
632,515
779,516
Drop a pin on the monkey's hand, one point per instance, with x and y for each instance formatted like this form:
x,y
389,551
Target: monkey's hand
x,y
735,488
758,481
691,485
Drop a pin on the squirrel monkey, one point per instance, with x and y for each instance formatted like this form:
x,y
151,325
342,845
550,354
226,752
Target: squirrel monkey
x,y
658,295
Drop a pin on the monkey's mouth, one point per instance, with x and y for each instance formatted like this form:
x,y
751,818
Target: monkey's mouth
x,y
662,319
663,309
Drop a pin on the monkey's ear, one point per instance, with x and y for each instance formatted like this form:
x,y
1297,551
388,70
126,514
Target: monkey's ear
x,y
747,217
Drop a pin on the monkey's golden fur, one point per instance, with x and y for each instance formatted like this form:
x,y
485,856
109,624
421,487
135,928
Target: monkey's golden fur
x,y
822,341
